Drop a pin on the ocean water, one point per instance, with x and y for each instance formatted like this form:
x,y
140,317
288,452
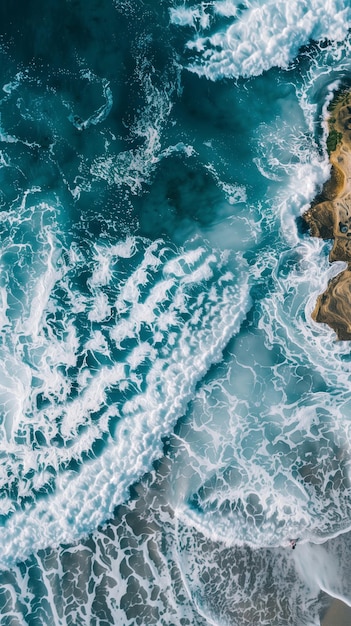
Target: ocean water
x,y
171,415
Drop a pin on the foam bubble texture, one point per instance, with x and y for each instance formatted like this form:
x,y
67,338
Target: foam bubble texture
x,y
92,378
257,35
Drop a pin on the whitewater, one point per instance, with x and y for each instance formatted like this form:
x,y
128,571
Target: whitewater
x,y
171,416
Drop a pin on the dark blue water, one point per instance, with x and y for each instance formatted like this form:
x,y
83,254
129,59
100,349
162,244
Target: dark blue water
x,y
171,416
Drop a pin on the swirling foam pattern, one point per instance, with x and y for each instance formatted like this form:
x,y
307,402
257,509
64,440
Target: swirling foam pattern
x,y
100,359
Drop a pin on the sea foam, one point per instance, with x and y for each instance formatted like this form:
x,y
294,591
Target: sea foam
x,y
258,35
160,327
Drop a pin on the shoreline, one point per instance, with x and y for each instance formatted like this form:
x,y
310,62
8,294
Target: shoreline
x,y
329,217
338,613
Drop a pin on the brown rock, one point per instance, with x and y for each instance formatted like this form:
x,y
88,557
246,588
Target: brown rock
x,y
333,307
320,219
329,217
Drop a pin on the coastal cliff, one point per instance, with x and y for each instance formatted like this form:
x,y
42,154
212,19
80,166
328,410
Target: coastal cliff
x,y
329,217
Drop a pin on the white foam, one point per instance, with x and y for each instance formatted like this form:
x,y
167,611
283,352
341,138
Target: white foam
x,y
44,283
132,168
227,8
152,383
187,16
265,35
14,84
101,308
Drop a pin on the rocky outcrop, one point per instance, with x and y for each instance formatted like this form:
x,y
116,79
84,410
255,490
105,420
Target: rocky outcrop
x,y
330,218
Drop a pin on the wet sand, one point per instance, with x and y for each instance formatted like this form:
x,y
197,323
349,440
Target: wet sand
x,y
339,614
329,217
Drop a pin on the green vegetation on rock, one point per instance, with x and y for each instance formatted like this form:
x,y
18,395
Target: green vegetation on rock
x,y
333,139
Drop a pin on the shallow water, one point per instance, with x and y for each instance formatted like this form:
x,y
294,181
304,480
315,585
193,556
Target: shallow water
x,y
171,416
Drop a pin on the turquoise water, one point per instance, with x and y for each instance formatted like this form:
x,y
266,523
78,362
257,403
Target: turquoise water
x,y
171,416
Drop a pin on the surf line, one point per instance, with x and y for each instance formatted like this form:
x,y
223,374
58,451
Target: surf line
x,y
329,217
